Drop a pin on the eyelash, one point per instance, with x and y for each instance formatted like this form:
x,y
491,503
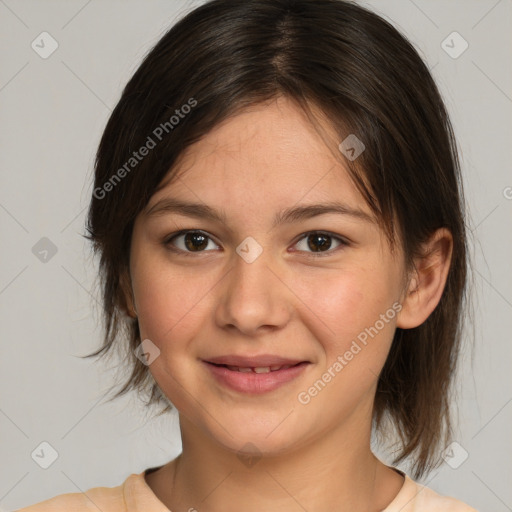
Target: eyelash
x,y
167,242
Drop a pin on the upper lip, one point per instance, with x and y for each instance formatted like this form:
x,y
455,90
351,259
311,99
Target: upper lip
x,y
260,361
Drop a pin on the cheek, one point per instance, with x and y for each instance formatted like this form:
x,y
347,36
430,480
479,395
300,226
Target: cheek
x,y
347,307
169,301
171,314
354,320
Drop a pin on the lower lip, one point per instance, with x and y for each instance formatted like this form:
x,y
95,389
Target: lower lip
x,y
255,383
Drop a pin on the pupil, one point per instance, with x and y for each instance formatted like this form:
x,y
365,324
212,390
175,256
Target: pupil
x,y
321,241
192,238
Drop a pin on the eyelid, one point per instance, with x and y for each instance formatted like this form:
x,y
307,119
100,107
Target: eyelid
x,y
343,242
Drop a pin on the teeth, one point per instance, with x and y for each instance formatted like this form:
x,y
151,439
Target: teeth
x,y
261,369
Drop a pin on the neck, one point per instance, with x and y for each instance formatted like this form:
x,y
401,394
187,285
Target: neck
x,y
329,472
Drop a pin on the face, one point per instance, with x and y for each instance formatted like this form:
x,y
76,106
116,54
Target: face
x,y
265,281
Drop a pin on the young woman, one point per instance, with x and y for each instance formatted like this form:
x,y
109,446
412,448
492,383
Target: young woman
x,y
278,209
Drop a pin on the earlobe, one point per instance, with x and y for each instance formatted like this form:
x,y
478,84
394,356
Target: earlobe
x,y
426,285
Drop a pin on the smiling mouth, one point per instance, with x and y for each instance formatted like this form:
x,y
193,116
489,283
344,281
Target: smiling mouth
x,y
255,376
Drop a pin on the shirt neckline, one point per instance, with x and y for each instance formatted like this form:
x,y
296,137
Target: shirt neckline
x,y
138,495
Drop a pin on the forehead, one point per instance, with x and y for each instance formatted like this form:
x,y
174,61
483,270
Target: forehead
x,y
268,156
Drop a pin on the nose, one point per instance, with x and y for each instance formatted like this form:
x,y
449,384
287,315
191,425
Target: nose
x,y
253,297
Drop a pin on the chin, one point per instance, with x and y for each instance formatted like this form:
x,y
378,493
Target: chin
x,y
258,437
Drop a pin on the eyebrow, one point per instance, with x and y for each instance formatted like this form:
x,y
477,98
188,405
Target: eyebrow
x,y
288,215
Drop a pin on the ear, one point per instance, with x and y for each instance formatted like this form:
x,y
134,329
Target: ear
x,y
428,279
127,293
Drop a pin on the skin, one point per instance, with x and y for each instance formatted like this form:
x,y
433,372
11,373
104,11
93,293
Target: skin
x,y
287,302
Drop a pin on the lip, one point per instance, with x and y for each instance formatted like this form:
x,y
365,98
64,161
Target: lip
x,y
253,361
254,383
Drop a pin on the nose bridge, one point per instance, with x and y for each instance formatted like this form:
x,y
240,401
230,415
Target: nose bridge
x,y
252,295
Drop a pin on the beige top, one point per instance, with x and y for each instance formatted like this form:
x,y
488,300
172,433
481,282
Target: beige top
x,y
134,495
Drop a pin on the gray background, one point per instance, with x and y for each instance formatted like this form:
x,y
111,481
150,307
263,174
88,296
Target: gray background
x,y
53,111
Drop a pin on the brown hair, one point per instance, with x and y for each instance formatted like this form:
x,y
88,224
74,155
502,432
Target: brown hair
x,y
367,79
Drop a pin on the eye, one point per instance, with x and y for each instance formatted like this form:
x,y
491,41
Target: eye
x,y
188,242
319,242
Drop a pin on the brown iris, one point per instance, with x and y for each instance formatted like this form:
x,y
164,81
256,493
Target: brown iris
x,y
195,241
319,242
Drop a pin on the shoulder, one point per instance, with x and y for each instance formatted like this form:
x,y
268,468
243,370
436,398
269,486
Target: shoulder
x,y
107,499
428,499
415,497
